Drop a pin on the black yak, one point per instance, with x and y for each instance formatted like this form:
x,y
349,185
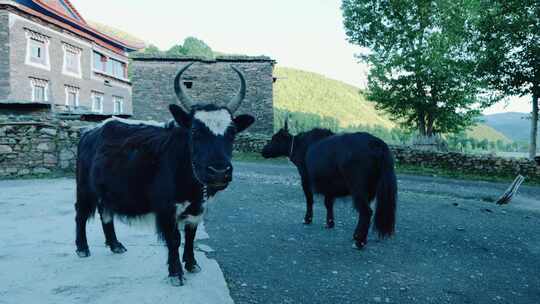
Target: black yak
x,y
356,164
132,169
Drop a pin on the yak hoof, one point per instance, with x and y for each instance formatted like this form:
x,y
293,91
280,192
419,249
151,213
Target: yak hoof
x,y
307,221
176,280
117,248
330,224
193,268
359,245
83,253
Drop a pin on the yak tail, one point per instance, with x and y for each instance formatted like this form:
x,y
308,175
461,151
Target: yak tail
x,y
385,214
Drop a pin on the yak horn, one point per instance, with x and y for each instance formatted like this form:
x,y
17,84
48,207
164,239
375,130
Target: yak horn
x,y
185,101
235,103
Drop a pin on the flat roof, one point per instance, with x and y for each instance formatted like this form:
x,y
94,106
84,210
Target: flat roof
x,y
221,58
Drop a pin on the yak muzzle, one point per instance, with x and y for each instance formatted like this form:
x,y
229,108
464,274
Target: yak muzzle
x,y
219,176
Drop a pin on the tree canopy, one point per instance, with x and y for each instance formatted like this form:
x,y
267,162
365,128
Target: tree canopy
x,y
509,50
422,61
192,47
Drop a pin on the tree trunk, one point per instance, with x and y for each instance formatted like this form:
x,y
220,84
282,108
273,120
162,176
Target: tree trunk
x,y
534,126
421,124
430,125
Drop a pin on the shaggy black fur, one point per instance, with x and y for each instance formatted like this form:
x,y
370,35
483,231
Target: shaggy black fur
x,y
133,170
356,164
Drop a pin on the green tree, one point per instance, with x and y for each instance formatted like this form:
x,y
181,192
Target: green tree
x,y
196,47
509,48
176,50
151,49
192,47
421,61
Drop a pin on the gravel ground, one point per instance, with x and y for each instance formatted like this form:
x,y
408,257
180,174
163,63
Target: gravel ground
x,y
452,244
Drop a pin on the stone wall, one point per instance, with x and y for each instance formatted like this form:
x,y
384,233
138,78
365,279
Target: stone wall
x,y
486,165
210,81
464,163
34,148
41,147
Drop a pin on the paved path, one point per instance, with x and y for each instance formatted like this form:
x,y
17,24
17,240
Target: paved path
x,y
452,245
38,263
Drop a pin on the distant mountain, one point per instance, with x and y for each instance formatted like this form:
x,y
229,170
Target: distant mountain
x,y
514,125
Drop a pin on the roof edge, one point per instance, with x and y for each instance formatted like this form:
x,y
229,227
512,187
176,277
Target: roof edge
x,y
221,58
86,26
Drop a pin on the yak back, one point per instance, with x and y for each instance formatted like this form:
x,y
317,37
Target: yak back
x,y
303,141
333,161
125,165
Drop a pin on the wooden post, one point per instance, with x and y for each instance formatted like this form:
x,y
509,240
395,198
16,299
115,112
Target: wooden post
x,y
511,191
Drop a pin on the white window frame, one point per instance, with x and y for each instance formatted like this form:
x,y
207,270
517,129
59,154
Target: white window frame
x,y
94,62
31,35
73,50
100,95
76,91
109,57
120,101
35,82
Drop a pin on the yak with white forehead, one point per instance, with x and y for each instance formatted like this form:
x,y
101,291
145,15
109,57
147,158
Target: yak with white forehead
x,y
130,169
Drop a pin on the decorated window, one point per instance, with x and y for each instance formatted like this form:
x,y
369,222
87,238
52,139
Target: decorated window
x,y
37,50
72,97
72,61
97,102
39,89
118,103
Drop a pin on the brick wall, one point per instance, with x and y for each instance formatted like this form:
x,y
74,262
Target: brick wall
x,y
213,82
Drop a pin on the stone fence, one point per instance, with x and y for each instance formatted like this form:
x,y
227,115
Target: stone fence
x,y
34,148
42,147
486,165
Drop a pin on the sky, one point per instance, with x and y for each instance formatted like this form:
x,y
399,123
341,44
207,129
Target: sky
x,y
303,34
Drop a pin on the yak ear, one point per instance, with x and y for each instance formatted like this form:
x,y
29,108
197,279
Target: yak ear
x,y
180,116
242,122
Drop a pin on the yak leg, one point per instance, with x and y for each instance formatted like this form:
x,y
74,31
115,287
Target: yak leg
x,y
166,222
329,204
364,218
107,222
308,218
84,208
189,256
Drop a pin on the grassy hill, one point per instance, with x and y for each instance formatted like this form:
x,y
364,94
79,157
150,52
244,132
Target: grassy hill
x,y
307,92
300,91
482,131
